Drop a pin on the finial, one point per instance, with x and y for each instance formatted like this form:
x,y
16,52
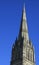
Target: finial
x,y
24,7
24,13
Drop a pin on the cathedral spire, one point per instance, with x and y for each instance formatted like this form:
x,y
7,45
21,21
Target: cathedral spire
x,y
23,51
23,27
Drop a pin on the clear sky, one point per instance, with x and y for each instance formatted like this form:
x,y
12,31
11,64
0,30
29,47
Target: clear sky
x,y
10,19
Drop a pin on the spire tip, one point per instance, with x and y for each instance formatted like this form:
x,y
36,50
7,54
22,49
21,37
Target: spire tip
x,y
24,7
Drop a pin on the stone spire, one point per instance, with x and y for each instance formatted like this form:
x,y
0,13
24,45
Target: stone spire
x,y
23,28
22,50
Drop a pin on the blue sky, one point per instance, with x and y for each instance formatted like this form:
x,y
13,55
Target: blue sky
x,y
10,19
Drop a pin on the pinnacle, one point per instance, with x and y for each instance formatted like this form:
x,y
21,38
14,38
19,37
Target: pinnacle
x,y
24,7
24,13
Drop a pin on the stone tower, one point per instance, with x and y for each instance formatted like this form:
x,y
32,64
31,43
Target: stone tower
x,y
22,50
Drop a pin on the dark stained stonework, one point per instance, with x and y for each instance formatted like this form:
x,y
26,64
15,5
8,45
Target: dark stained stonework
x,y
22,50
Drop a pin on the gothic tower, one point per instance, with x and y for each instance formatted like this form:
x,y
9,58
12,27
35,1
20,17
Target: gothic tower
x,y
22,50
